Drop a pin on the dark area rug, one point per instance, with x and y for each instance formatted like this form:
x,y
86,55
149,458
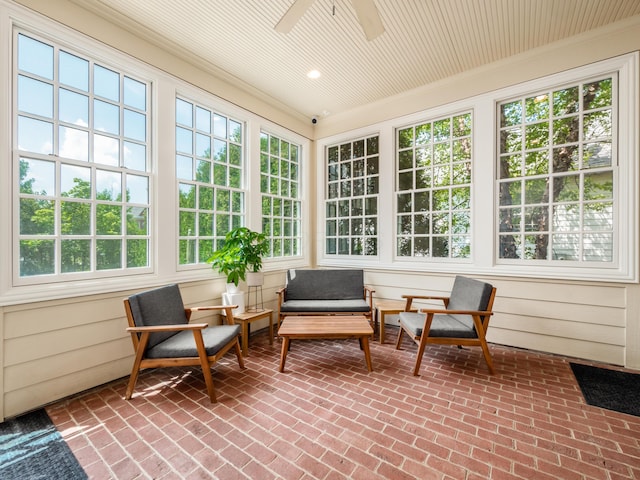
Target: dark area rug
x,y
610,389
32,448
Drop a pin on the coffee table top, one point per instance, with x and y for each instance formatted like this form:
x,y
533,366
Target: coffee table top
x,y
325,326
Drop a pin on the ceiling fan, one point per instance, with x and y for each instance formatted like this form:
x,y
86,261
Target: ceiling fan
x,y
366,12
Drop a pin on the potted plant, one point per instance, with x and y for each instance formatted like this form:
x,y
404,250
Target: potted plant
x,y
240,254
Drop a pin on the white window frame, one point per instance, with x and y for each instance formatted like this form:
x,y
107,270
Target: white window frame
x,y
296,203
163,198
363,216
625,198
240,217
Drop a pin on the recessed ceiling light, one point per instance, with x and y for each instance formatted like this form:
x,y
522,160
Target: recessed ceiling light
x,y
313,74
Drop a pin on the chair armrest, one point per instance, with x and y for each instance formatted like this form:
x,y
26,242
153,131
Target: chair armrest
x,y
411,298
368,291
425,297
228,311
438,311
281,290
168,328
212,307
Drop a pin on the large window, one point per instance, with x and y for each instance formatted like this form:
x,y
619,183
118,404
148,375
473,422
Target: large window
x,y
434,188
557,174
209,166
280,188
82,154
351,207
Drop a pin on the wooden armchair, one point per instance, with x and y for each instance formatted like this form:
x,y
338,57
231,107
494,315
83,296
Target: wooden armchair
x,y
463,321
163,337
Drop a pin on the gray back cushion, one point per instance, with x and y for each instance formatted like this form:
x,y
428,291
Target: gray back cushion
x,y
160,306
325,284
469,294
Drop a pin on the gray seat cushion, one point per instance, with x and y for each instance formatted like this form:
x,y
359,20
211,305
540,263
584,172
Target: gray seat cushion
x,y
441,326
182,344
355,305
160,306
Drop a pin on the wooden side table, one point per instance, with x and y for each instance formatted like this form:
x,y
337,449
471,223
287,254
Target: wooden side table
x,y
388,307
246,318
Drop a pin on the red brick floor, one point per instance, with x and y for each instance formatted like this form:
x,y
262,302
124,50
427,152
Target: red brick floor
x,y
326,417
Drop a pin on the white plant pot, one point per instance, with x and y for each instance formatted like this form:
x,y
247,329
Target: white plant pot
x,y
234,299
232,288
254,279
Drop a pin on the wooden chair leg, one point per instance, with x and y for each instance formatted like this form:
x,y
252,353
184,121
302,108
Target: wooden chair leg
x,y
239,354
421,347
399,341
135,370
487,355
204,363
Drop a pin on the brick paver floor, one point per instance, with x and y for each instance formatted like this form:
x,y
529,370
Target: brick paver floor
x,y
326,417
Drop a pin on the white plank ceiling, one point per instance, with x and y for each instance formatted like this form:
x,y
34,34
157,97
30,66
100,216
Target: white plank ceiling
x,y
424,41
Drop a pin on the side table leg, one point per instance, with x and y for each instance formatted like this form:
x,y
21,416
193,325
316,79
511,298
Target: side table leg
x,y
245,338
283,353
381,326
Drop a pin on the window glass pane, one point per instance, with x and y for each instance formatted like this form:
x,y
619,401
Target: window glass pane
x,y
73,108
75,218
75,182
106,83
37,177
35,136
106,117
76,256
135,125
184,113
35,57
137,189
109,220
74,71
37,257
108,185
74,143
106,150
135,94
135,156
203,119
36,217
35,97
184,140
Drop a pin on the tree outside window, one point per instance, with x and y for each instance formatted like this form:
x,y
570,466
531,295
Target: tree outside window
x,y
82,154
556,174
433,188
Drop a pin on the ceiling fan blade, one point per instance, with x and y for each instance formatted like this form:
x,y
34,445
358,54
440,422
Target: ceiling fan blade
x,y
368,17
295,13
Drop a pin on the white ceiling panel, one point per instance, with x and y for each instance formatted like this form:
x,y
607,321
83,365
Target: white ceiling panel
x,y
424,40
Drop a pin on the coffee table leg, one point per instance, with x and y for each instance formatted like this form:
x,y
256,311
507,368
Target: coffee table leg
x,y
367,354
283,353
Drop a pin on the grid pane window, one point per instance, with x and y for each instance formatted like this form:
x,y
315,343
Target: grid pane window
x,y
351,206
433,188
280,188
82,154
557,175
209,170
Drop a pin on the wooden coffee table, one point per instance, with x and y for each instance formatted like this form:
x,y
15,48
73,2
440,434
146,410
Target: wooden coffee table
x,y
325,327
